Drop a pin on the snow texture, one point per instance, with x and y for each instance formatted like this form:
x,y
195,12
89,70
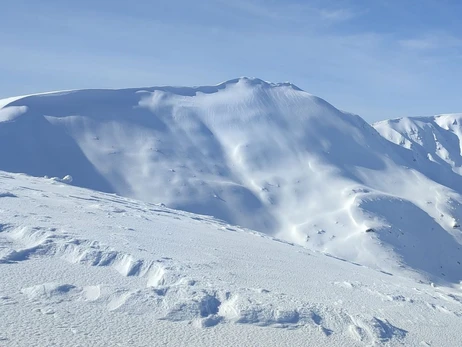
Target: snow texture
x,y
83,268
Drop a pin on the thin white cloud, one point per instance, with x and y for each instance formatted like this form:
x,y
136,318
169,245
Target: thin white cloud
x,y
431,42
279,10
338,15
253,8
418,44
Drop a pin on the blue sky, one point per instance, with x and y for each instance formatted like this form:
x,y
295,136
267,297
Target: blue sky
x,y
377,58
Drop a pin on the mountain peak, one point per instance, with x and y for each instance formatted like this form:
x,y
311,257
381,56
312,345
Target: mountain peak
x,y
257,81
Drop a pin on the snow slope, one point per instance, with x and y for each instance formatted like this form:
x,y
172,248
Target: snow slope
x,y
86,268
269,157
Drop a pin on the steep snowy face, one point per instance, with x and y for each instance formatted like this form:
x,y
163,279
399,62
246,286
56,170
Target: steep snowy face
x,y
265,156
237,151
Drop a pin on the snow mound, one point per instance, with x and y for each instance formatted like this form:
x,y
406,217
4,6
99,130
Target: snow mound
x,y
47,291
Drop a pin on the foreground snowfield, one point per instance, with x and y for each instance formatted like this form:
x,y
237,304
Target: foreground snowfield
x,y
80,268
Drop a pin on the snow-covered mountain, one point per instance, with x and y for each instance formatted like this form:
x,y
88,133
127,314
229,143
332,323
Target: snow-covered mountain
x,y
85,268
433,143
336,232
269,157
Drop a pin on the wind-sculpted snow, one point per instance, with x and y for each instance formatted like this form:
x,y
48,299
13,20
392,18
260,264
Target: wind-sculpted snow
x,y
269,157
80,267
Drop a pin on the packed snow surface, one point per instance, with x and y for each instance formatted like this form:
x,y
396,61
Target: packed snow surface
x,y
85,268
